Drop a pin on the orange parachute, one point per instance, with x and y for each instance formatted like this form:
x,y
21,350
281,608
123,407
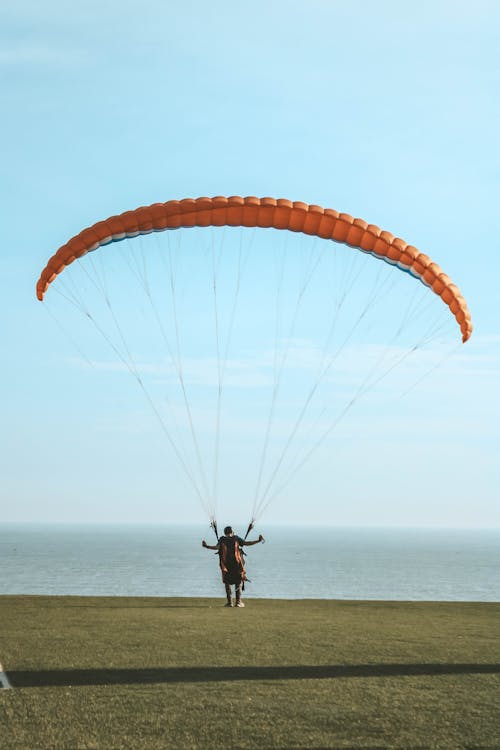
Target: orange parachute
x,y
294,216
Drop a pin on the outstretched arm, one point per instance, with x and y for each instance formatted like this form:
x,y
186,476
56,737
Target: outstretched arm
x,y
209,546
256,541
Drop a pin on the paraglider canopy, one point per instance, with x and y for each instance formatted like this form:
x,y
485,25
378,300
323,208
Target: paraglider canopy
x,y
263,212
207,272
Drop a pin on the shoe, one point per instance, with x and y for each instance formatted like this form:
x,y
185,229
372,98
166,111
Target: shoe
x,y
239,603
229,604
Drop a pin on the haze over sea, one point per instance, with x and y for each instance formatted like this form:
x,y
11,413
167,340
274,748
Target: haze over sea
x,y
295,563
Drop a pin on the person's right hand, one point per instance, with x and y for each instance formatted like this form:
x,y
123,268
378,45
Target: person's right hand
x,y
203,544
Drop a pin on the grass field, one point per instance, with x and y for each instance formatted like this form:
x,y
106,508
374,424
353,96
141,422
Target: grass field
x,y
133,673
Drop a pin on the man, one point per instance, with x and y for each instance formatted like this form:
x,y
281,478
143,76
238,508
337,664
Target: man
x,y
231,562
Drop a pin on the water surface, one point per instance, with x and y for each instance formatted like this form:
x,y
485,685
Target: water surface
x,y
325,563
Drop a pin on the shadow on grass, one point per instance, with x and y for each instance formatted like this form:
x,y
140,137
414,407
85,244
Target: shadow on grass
x,y
133,606
75,677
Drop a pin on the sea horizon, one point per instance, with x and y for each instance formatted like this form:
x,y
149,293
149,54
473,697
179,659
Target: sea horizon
x,y
296,562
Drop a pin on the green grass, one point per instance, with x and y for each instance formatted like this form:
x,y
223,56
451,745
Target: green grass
x,y
119,673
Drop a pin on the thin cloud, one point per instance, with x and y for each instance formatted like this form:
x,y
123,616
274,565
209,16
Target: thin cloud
x,y
258,369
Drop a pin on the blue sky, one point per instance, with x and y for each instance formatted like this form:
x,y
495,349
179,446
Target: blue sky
x,y
387,111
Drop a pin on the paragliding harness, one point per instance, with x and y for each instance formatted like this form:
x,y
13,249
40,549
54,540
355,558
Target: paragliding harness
x,y
231,561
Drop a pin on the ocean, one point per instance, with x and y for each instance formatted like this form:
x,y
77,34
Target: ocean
x,y
294,563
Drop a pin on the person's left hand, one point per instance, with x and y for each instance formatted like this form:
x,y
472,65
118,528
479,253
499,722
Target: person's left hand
x,y
203,544
261,538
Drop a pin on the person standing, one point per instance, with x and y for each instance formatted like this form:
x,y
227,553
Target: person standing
x,y
231,561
